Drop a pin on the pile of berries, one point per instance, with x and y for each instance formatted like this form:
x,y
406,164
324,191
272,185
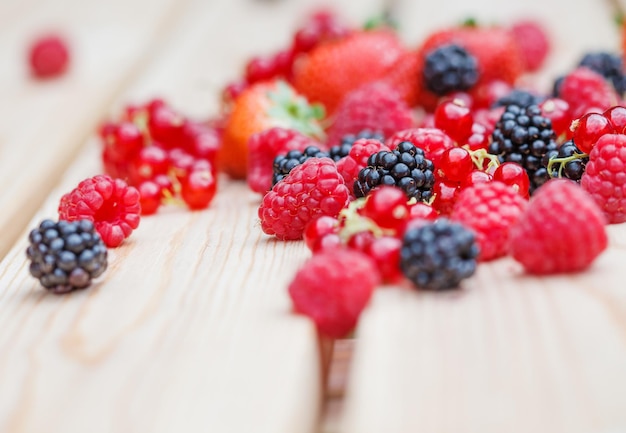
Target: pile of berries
x,y
163,154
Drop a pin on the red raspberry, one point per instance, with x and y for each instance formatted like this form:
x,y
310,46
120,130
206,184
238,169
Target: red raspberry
x,y
431,140
605,176
562,230
584,89
332,288
489,209
111,204
356,160
48,56
312,189
376,107
403,76
264,146
533,43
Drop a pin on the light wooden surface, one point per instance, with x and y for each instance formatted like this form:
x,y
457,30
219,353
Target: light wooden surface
x,y
190,330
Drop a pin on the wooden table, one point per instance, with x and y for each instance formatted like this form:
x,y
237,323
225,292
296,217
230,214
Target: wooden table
x,y
191,331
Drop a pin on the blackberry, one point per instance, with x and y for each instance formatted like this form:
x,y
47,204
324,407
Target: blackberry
x,y
519,97
283,164
524,136
343,149
406,167
66,256
556,86
609,66
449,68
568,161
438,256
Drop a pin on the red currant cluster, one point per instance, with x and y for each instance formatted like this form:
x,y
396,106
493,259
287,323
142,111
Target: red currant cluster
x,y
373,226
162,153
588,129
320,26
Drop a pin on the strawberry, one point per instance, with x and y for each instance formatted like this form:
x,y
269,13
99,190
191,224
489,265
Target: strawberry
x,y
496,51
263,106
333,69
403,76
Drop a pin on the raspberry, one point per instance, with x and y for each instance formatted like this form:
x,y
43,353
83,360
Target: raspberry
x,y
264,147
489,209
449,68
332,288
432,141
562,230
312,189
405,167
111,204
609,66
584,89
376,107
66,256
533,43
439,255
524,136
350,166
283,164
605,176
48,56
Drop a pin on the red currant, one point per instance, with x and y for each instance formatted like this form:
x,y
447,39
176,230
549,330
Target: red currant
x,y
479,138
318,229
617,117
360,241
232,91
445,196
166,126
485,95
260,69
125,142
150,161
513,174
387,207
150,197
202,141
198,189
476,176
283,63
385,251
455,164
421,210
557,110
327,242
588,130
455,119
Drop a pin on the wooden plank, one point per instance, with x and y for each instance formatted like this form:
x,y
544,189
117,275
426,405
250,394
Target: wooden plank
x,y
509,352
43,124
190,329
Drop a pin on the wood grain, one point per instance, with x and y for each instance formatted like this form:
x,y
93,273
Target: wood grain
x,y
44,123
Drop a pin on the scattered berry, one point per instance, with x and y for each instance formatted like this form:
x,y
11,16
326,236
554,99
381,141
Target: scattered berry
x,y
283,164
111,204
455,164
332,288
350,166
342,149
431,140
66,256
568,161
318,229
438,256
585,90
387,206
48,56
588,130
608,65
533,43
519,97
562,230
489,209
312,189
513,175
449,68
455,119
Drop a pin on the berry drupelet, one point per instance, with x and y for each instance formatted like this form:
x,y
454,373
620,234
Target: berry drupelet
x,y
283,164
343,149
524,136
66,255
609,66
519,97
568,161
438,256
406,167
449,68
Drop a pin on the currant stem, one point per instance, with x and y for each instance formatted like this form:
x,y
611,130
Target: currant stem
x,y
562,162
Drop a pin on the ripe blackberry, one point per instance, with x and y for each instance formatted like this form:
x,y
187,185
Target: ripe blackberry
x,y
283,164
438,256
519,97
609,66
341,150
568,161
524,136
67,255
406,167
449,68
